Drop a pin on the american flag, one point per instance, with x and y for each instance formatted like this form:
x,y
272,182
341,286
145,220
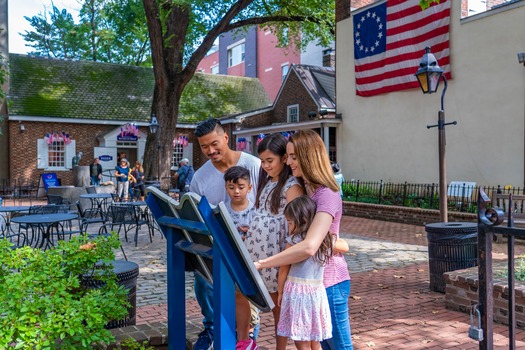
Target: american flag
x,y
390,39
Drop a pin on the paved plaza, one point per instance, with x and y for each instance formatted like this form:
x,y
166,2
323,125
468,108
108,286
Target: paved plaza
x,y
391,304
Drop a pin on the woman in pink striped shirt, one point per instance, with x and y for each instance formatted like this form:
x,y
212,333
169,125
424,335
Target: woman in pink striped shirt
x,y
308,159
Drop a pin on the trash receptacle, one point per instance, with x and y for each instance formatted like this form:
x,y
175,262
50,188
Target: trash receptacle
x,y
451,246
127,273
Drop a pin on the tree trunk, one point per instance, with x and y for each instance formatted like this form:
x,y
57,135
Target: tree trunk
x,y
159,147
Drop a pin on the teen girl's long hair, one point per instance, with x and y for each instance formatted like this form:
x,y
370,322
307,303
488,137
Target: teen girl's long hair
x,y
313,160
301,210
141,169
276,144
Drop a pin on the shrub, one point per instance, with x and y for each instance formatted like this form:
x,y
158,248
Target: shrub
x,y
44,304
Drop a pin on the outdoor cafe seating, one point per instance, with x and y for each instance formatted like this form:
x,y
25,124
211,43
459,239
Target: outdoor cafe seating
x,y
45,223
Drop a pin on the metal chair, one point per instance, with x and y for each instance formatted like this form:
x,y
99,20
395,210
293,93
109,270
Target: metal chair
x,y
26,188
89,216
54,199
120,216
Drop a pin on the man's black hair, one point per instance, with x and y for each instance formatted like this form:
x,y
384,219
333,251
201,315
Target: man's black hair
x,y
207,126
235,173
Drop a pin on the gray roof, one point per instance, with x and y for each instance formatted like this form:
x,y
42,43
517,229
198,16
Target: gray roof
x,y
92,90
319,82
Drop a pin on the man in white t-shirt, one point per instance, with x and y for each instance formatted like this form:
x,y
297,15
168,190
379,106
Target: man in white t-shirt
x,y
208,181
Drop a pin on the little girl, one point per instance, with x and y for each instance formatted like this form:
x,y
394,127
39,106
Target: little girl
x,y
305,313
268,229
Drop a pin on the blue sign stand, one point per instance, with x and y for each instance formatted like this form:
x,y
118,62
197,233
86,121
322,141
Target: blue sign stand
x,y
200,236
49,179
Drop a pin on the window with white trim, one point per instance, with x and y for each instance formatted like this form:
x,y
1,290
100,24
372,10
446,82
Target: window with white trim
x,y
56,155
236,54
177,155
292,112
181,149
215,69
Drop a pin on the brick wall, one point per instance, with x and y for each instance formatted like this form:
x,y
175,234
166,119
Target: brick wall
x,y
24,152
294,93
412,216
462,291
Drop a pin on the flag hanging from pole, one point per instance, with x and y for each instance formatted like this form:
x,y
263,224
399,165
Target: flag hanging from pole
x,y
390,39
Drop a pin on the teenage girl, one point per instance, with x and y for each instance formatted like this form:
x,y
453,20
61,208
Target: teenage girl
x,y
268,230
305,313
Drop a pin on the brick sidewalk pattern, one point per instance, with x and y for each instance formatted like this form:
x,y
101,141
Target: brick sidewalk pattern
x,y
391,304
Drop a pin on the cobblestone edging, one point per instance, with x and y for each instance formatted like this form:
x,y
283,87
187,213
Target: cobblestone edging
x,y
462,291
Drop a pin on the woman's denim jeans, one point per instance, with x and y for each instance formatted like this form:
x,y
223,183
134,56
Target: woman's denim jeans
x,y
338,300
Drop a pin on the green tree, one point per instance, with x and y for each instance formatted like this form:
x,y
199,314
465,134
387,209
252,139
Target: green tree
x,y
108,31
183,31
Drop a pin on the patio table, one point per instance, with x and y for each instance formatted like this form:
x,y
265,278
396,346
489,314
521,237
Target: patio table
x,y
7,213
98,201
44,224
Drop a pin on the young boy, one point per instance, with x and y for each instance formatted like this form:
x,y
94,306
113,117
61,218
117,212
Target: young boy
x,y
241,209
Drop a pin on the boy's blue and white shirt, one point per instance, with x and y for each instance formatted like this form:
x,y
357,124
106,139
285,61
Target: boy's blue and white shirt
x,y
241,218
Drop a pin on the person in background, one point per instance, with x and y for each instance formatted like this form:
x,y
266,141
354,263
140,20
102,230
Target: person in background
x,y
95,172
308,159
208,181
122,175
138,174
339,178
184,175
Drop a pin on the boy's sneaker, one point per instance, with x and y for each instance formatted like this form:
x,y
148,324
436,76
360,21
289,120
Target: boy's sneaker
x,y
246,345
205,340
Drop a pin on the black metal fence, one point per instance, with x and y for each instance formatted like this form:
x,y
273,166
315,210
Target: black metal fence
x,y
461,197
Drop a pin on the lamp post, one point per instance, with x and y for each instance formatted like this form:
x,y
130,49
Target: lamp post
x,y
429,75
154,127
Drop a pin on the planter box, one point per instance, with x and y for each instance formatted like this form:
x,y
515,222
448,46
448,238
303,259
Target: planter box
x,y
462,291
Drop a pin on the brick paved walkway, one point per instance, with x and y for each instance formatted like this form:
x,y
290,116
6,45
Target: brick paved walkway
x,y
391,305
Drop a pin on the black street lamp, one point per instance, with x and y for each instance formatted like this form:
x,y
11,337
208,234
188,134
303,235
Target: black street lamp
x,y
154,127
429,75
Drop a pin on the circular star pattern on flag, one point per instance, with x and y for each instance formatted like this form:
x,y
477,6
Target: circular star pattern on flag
x,y
364,45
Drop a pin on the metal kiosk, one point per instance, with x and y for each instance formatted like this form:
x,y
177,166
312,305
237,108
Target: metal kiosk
x,y
204,239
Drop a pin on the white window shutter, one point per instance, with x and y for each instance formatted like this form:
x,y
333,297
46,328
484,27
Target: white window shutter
x,y
42,154
187,152
70,151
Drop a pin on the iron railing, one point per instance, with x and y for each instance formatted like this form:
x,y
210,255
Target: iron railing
x,y
461,197
490,221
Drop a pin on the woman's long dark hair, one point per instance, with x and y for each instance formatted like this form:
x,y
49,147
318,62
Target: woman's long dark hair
x,y
301,210
276,144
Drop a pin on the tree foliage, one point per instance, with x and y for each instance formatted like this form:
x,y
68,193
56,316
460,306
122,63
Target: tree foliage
x,y
108,31
426,3
183,31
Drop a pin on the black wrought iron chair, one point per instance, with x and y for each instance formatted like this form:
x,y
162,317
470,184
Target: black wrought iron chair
x,y
54,199
88,216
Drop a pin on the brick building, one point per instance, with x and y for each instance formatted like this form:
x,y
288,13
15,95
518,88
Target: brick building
x,y
306,100
253,53
58,108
